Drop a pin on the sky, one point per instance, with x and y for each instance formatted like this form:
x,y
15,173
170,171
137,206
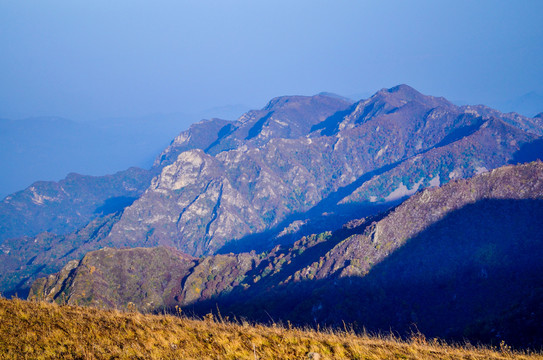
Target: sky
x,y
86,60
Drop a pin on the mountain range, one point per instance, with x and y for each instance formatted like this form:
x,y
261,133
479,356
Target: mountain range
x,y
231,203
301,159
462,260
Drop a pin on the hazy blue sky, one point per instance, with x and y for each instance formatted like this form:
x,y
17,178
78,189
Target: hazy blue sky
x,y
90,59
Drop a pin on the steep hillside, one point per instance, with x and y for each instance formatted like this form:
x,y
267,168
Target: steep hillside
x,y
462,260
262,175
45,331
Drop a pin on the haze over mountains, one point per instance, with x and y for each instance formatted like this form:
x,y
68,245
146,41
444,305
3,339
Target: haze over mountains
x,y
529,104
247,195
52,147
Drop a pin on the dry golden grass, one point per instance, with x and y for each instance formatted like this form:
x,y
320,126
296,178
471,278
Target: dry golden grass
x,y
36,330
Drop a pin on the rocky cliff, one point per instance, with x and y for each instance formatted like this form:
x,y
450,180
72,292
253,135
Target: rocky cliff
x,y
275,169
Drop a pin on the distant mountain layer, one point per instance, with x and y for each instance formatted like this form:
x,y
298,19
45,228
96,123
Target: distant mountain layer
x,y
65,206
48,148
462,260
528,104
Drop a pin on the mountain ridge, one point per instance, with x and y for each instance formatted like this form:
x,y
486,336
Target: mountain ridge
x,y
215,191
344,275
69,204
336,161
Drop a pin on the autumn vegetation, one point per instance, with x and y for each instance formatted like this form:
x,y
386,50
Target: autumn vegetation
x,y
39,330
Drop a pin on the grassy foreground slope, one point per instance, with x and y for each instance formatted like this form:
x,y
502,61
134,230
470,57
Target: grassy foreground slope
x,y
38,330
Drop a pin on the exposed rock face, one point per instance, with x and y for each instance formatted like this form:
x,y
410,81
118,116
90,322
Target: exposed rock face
x,y
64,206
171,209
453,260
278,161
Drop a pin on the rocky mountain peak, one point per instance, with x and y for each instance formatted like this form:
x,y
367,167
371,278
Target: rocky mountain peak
x,y
259,171
399,104
284,117
282,103
200,135
402,94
